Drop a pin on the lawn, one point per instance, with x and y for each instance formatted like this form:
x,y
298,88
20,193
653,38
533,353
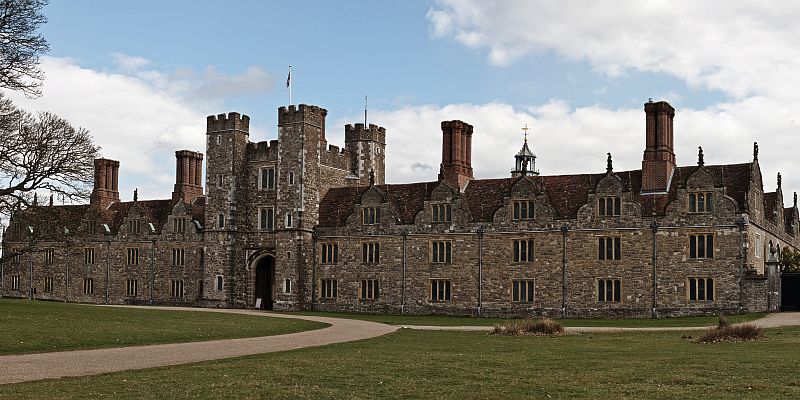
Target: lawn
x,y
462,365
443,320
40,326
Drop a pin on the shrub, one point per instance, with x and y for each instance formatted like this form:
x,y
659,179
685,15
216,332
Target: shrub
x,y
528,327
725,332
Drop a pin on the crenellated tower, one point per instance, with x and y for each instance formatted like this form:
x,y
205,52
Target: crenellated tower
x,y
226,145
367,146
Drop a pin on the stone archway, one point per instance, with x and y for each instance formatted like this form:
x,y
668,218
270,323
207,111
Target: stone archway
x,y
265,281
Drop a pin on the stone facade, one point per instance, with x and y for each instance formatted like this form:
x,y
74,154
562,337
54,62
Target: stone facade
x,y
298,224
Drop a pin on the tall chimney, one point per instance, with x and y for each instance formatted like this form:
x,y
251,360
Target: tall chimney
x,y
658,163
106,182
456,165
188,176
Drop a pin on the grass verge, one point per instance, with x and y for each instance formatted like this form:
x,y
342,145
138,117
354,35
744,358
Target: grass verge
x,y
443,320
42,326
468,365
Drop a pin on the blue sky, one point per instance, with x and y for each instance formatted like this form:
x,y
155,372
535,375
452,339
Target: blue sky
x,y
141,76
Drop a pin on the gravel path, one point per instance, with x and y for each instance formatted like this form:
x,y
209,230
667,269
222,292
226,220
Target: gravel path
x,y
31,367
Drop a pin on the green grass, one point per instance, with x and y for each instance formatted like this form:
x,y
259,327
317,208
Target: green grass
x,y
39,326
442,320
461,365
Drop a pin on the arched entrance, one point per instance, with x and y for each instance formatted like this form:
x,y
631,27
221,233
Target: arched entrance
x,y
265,281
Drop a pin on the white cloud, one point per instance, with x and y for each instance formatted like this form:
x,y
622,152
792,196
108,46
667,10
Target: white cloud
x,y
129,63
132,121
741,48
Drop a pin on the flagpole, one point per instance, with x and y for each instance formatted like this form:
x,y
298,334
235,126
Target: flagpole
x,y
289,84
365,112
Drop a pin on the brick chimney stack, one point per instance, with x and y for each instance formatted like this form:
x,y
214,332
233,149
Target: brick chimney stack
x,y
188,176
456,165
659,155
106,182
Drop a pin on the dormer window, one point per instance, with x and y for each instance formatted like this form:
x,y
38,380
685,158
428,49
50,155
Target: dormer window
x,y
701,202
134,226
609,206
523,209
371,216
442,213
179,225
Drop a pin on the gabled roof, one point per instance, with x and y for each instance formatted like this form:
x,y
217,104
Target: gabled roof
x,y
566,193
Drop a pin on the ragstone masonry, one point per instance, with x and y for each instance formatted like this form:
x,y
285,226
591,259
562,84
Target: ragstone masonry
x,y
297,224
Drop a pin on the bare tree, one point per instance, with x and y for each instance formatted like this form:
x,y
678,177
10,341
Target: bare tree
x,y
21,45
42,153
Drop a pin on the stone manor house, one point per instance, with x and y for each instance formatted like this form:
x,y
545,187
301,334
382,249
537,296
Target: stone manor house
x,y
298,224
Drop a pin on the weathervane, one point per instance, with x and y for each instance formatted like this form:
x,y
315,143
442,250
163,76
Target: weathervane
x,y
525,129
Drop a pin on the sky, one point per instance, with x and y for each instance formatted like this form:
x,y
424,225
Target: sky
x,y
143,75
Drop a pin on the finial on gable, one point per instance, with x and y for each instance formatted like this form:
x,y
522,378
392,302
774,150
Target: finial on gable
x,y
755,151
51,199
372,177
779,180
35,199
609,163
136,194
795,199
700,160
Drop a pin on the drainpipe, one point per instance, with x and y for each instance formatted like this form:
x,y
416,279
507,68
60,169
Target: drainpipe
x,y
314,241
30,274
66,280
403,286
654,228
108,267
152,269
564,230
742,223
2,259
481,231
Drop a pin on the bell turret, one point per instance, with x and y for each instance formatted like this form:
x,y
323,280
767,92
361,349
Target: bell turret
x,y
525,159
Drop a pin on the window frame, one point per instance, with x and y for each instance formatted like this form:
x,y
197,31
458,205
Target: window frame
x,y
271,178
441,294
219,283
441,213
264,218
371,215
371,252
178,257
369,290
441,251
132,288
88,286
694,200
602,287
517,286
603,206
517,210
517,245
708,244
328,288
708,282
603,248
329,253
176,289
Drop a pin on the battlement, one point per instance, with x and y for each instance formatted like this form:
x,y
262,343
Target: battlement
x,y
360,132
335,157
302,113
232,122
262,151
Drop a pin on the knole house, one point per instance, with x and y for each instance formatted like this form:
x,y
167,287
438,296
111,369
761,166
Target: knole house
x,y
297,224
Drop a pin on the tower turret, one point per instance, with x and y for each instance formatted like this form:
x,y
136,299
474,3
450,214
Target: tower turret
x,y
367,145
525,159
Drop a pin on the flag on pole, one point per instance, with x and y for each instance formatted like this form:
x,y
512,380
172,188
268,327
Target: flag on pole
x,y
289,77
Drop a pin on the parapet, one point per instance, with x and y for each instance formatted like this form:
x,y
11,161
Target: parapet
x,y
232,122
302,113
360,132
335,157
262,151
